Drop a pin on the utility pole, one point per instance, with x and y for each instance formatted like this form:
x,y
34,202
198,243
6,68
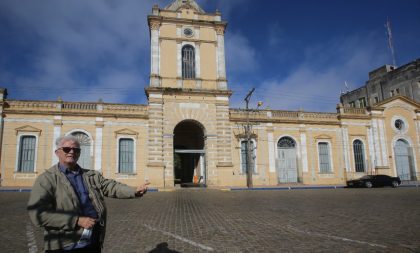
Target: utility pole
x,y
249,149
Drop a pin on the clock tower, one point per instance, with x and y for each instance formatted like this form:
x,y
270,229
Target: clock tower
x,y
189,128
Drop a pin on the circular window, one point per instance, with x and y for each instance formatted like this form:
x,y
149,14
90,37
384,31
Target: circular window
x,y
188,32
399,124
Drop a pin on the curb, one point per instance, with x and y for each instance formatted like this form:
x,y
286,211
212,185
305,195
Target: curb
x,y
15,190
289,188
29,190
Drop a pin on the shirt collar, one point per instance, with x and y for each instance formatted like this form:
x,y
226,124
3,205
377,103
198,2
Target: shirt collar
x,y
66,170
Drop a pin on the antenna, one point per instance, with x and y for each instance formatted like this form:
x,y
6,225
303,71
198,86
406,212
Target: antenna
x,y
390,43
347,87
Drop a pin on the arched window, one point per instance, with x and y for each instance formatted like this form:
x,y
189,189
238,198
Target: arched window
x,y
359,155
286,142
126,156
188,62
27,154
85,145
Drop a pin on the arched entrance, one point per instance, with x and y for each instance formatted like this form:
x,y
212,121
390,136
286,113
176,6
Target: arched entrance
x,y
404,160
189,154
85,146
286,162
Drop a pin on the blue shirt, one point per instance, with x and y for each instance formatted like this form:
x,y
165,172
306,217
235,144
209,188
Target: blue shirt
x,y
76,180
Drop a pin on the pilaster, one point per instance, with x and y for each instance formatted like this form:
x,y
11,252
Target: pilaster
x,y
346,153
304,151
155,53
98,143
58,122
155,160
271,150
221,65
224,132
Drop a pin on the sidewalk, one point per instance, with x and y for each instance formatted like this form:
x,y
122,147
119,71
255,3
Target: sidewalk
x,y
234,188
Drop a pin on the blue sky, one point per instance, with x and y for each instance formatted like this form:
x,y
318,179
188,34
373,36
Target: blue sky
x,y
297,54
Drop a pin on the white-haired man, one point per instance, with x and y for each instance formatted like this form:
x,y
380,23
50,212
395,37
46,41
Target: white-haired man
x,y
68,202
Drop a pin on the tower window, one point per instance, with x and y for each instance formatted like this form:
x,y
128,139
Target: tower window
x,y
188,62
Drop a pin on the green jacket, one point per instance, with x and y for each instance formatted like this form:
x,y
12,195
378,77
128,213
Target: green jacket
x,y
54,205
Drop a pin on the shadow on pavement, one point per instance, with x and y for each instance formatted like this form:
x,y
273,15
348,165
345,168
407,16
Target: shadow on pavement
x,y
163,248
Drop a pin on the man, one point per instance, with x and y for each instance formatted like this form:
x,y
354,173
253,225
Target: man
x,y
68,202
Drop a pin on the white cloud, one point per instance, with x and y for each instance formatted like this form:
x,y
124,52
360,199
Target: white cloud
x,y
316,84
80,47
240,55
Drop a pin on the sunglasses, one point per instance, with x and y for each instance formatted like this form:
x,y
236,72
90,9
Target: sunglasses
x,y
68,149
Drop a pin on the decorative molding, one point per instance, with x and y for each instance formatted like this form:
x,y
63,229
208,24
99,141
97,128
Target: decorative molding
x,y
28,129
220,29
224,164
126,131
154,25
322,137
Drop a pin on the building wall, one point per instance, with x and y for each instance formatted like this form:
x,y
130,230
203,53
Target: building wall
x,y
204,101
385,82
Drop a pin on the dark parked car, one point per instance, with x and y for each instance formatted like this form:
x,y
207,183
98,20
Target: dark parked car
x,y
370,181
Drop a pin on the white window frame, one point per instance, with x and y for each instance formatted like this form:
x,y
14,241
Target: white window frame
x,y
196,58
243,171
117,164
19,136
365,162
330,154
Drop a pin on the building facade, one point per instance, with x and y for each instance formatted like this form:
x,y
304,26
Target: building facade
x,y
386,82
187,132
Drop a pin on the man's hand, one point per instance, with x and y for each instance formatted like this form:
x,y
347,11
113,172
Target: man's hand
x,y
86,222
142,189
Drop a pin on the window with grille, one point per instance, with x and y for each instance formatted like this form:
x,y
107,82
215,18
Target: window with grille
x,y
188,62
362,102
126,156
26,162
324,157
244,160
359,155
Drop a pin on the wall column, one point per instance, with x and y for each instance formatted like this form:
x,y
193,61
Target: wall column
x,y
371,148
58,122
224,132
304,151
157,172
155,54
179,63
98,143
221,65
381,125
375,133
271,150
345,137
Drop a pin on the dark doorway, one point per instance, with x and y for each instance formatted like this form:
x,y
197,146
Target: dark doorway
x,y
189,155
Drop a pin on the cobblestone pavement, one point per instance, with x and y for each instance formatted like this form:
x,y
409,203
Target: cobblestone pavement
x,y
204,220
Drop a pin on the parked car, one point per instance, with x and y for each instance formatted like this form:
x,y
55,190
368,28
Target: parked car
x,y
370,181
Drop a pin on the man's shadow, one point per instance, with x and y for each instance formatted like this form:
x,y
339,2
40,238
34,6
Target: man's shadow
x,y
163,248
